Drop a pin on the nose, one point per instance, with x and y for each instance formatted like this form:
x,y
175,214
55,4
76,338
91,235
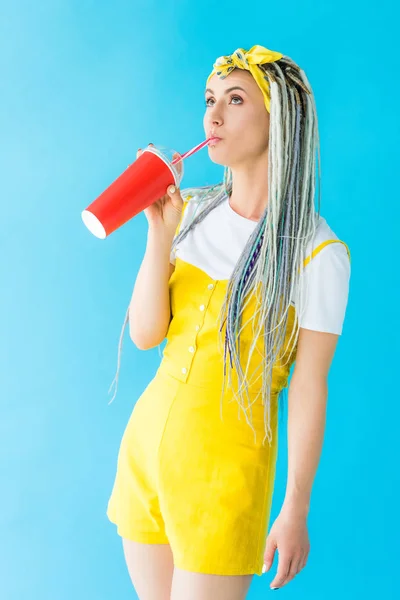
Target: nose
x,y
214,123
213,118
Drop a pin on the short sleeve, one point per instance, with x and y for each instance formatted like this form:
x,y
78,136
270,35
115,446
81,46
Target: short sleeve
x,y
323,290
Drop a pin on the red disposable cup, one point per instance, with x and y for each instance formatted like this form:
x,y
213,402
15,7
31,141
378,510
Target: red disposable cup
x,y
142,183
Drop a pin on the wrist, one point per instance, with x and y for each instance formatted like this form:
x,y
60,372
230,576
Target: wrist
x,y
297,503
160,235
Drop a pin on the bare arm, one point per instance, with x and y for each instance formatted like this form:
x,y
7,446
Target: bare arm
x,y
150,310
308,393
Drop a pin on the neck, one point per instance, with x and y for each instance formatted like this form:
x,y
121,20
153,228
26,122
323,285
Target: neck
x,y
249,197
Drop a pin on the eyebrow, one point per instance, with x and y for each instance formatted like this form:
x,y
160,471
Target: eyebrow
x,y
235,87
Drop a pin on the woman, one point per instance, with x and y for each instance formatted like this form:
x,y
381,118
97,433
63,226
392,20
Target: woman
x,y
245,279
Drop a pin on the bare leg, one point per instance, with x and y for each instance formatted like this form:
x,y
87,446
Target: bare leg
x,y
150,568
198,586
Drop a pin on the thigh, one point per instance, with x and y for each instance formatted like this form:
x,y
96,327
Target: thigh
x,y
150,568
215,486
134,503
187,585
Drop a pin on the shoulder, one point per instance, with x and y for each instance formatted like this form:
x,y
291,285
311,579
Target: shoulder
x,y
324,281
186,197
325,247
194,200
189,209
189,200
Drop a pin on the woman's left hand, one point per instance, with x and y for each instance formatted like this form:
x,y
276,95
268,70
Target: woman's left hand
x,y
290,536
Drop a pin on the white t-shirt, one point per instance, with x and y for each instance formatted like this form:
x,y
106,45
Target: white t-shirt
x,y
215,245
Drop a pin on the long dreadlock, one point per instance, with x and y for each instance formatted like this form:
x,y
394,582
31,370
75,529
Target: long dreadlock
x,y
272,259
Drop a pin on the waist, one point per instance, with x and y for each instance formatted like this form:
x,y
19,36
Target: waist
x,y
201,371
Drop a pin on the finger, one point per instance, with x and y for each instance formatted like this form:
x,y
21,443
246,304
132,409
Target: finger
x,y
283,570
173,191
300,563
304,560
299,566
293,570
269,554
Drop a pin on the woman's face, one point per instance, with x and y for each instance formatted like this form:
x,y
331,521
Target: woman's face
x,y
238,116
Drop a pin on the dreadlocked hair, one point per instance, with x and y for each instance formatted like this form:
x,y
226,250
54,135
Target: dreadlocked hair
x,y
272,259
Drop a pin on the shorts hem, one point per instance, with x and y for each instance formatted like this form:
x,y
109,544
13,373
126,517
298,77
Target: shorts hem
x,y
143,537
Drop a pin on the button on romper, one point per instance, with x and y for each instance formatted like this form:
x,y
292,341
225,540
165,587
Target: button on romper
x,y
185,476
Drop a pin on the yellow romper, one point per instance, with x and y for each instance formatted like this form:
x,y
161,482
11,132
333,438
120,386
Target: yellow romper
x,y
184,476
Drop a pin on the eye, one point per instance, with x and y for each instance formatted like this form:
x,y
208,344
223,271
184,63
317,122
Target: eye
x,y
232,98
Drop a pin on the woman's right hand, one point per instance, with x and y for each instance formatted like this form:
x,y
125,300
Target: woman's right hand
x,y
165,213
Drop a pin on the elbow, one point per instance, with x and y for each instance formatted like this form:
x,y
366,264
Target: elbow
x,y
146,342
148,335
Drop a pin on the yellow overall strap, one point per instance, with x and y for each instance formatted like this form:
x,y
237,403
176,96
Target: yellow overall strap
x,y
185,204
322,245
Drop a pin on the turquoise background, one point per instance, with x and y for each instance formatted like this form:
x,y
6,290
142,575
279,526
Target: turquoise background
x,y
83,85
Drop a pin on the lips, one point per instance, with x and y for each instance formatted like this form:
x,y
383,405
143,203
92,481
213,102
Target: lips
x,y
214,140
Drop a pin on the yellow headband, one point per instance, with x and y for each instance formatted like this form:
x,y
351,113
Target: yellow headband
x,y
257,55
